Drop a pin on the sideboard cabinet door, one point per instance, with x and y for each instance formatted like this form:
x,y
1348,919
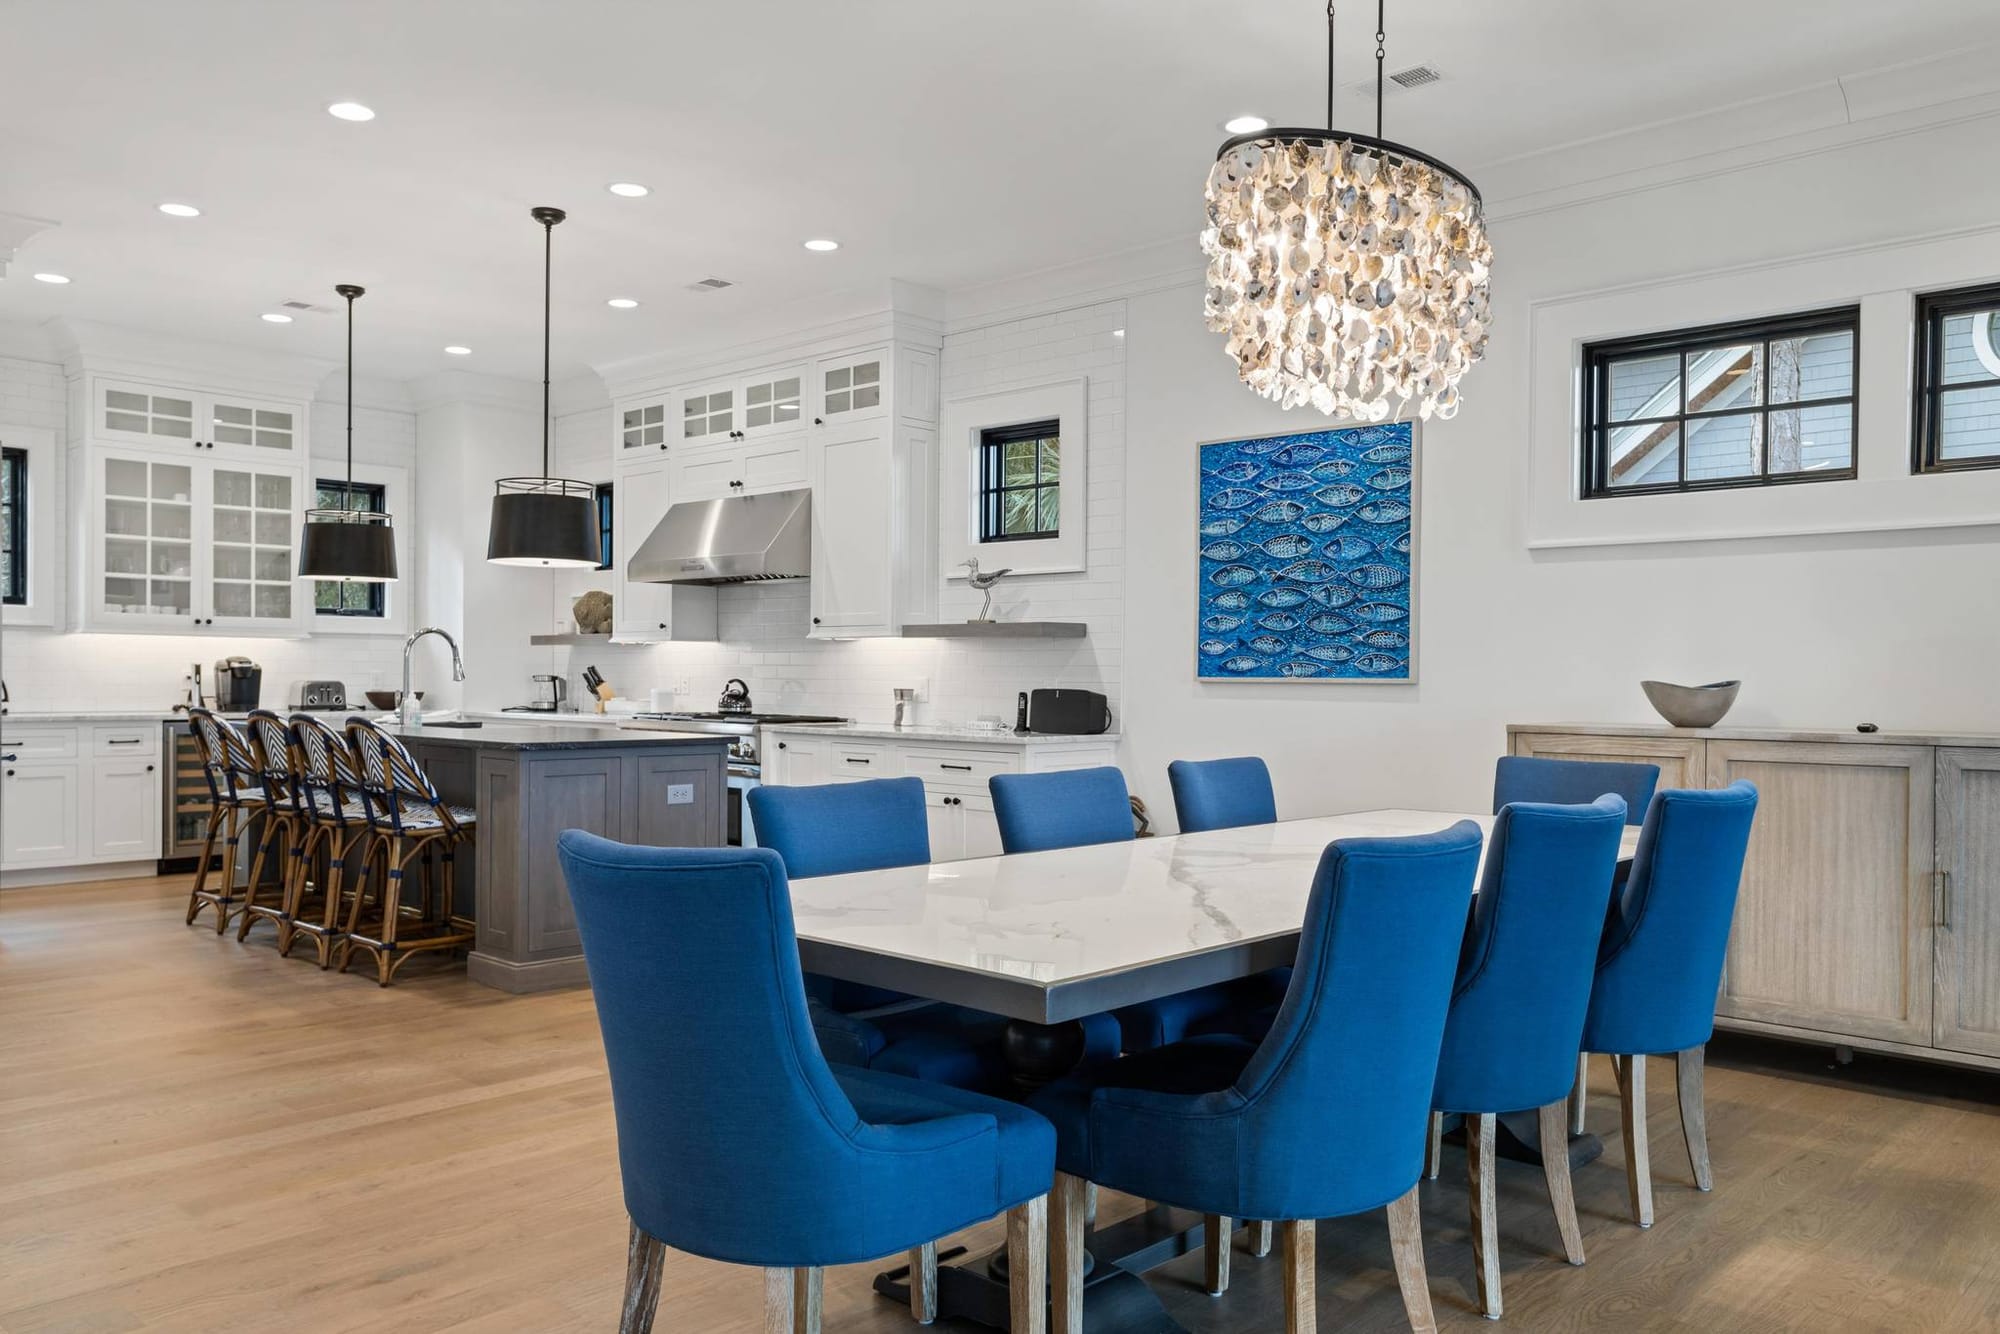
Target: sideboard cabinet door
x,y
1680,758
1968,900
1833,923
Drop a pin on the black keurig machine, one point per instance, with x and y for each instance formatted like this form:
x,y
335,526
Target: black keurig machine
x,y
237,681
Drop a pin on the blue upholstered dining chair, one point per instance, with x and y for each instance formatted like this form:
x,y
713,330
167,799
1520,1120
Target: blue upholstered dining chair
x,y
1222,794
1574,782
1518,1006
1324,1117
737,1141
1660,963
836,828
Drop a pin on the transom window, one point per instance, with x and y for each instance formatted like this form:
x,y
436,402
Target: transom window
x,y
14,527
1751,404
344,597
1958,380
1020,482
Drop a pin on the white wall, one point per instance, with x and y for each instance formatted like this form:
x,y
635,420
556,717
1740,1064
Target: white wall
x,y
51,669
1896,628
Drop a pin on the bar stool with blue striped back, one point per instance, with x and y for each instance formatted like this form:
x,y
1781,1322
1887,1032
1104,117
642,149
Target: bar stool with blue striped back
x,y
1518,1005
235,799
1660,964
737,1141
1323,1118
409,821
284,823
336,827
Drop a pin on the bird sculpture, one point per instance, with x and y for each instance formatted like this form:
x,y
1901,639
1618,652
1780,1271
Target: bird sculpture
x,y
984,583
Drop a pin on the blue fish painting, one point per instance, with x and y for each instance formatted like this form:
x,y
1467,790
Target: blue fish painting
x,y
1306,569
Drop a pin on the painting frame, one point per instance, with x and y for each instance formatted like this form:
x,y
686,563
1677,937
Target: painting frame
x,y
1342,440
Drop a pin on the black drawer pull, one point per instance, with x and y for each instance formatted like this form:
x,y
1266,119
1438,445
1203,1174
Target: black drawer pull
x,y
966,767
123,741
853,759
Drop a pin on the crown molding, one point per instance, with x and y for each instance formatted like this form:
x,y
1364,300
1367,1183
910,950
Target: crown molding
x,y
15,231
88,346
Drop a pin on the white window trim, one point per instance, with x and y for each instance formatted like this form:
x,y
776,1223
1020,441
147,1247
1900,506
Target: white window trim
x,y
1068,402
44,504
400,500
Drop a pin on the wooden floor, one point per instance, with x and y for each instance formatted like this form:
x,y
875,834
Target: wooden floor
x,y
197,1135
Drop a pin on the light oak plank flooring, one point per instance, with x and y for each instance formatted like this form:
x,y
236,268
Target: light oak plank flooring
x,y
196,1135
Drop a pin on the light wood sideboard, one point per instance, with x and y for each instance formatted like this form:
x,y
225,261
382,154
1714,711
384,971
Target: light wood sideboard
x,y
1869,914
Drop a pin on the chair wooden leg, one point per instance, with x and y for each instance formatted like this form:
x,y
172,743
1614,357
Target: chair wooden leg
x,y
923,1283
1260,1237
1555,1167
1216,1232
1632,1119
215,817
1688,1067
1406,1248
1480,1162
644,1255
232,835
1434,1147
777,1301
268,841
808,1299
1579,1097
1295,1238
1090,1204
1069,1220
1028,1267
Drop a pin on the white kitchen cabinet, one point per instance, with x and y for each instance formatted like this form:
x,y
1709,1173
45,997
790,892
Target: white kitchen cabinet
x,y
741,468
39,824
962,825
795,760
852,385
125,810
186,545
853,501
643,612
640,430
175,419
773,402
708,414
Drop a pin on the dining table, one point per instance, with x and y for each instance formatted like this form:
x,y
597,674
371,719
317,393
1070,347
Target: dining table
x,y
1046,939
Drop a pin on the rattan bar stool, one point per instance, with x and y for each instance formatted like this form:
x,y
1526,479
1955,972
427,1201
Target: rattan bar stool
x,y
409,821
336,829
235,798
284,824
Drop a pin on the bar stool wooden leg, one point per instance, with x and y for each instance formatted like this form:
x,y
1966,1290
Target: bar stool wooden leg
x,y
1555,1168
1632,1116
233,832
1069,1220
1480,1163
1406,1248
273,833
1688,1067
216,815
644,1255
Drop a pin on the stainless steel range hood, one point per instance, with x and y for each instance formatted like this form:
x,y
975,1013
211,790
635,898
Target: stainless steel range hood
x,y
731,540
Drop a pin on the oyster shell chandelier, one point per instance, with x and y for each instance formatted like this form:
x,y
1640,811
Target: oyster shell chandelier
x,y
1347,271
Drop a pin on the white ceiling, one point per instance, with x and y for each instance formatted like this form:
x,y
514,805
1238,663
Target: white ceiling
x,y
942,143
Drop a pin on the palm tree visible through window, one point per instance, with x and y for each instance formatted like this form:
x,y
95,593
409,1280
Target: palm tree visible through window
x,y
1020,482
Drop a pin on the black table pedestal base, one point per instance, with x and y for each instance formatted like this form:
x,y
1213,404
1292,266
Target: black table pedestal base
x,y
1115,1299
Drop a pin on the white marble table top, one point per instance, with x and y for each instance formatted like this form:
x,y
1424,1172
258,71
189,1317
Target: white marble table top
x,y
1051,936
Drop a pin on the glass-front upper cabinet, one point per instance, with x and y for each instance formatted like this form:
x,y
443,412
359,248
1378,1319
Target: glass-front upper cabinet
x,y
642,428
250,428
145,574
772,402
852,386
136,414
127,412
251,581
708,415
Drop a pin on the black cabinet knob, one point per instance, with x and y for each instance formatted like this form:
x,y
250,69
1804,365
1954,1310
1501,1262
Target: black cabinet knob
x,y
10,773
781,745
819,421
663,625
815,620
149,768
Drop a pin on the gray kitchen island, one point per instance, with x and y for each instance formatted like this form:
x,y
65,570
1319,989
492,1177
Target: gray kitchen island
x,y
529,782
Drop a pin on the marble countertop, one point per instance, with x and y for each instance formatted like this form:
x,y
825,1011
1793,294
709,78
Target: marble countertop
x,y
1886,736
1051,936
954,733
58,716
550,736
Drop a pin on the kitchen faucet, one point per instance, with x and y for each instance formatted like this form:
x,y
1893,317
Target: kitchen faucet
x,y
406,713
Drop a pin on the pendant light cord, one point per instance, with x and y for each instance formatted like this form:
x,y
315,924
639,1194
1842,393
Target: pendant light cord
x,y
548,302
347,501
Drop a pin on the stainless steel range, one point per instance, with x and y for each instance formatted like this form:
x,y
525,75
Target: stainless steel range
x,y
746,751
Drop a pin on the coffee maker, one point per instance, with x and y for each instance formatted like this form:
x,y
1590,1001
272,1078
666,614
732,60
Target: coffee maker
x,y
237,682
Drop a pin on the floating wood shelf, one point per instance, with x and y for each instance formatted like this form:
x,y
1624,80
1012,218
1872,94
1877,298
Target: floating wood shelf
x,y
997,630
552,641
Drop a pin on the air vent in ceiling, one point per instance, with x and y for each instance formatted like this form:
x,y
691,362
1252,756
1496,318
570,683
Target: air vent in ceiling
x,y
1416,76
307,306
710,285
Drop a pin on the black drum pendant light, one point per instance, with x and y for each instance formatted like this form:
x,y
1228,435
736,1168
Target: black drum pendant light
x,y
545,521
348,543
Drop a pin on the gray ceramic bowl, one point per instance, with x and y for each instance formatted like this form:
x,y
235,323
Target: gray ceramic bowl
x,y
1692,706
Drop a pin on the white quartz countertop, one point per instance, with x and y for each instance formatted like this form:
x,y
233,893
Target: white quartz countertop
x,y
58,716
954,733
1051,936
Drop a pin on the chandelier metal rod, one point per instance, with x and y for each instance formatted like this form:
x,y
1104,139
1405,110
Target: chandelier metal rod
x,y
1329,64
1381,53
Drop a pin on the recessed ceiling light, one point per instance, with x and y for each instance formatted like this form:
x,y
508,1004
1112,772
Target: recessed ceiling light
x,y
180,210
629,189
351,111
1117,333
273,317
821,244
50,278
458,351
621,303
1246,124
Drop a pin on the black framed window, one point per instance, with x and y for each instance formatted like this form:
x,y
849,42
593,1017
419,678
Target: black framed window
x,y
1759,403
14,526
604,547
1958,380
1020,482
350,597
